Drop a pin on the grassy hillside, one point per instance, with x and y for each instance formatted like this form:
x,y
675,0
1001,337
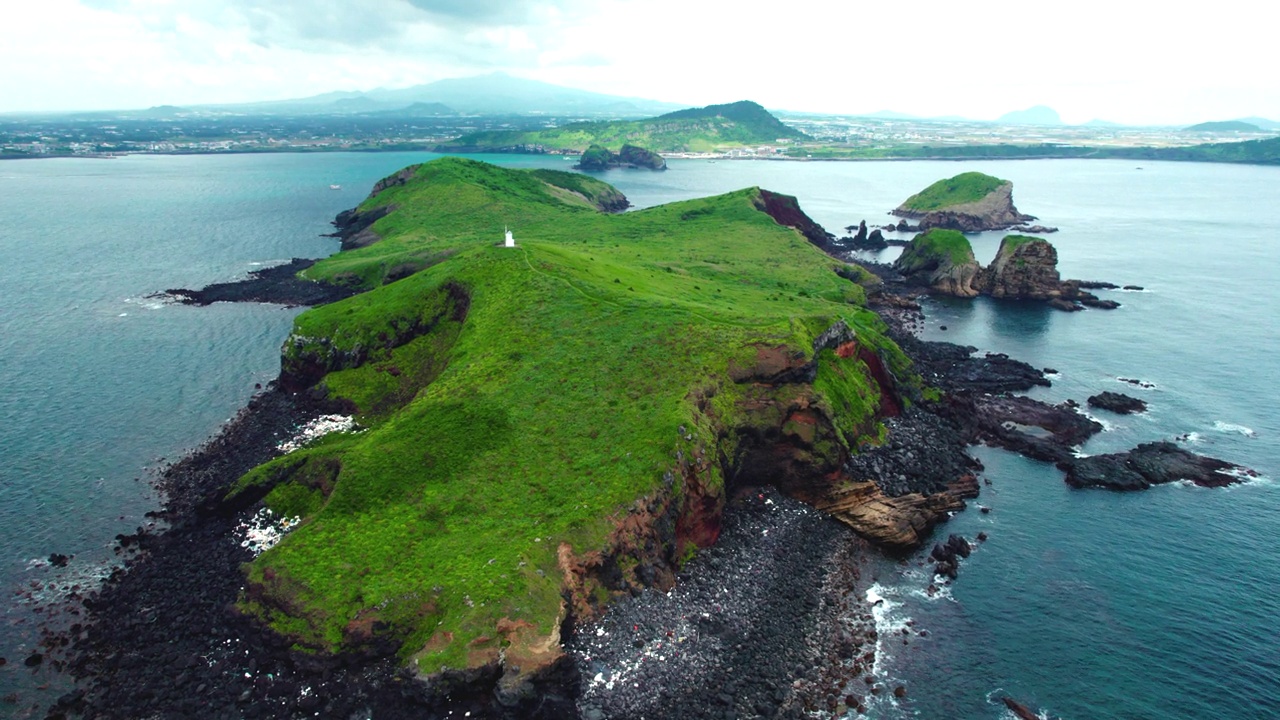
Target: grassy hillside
x,y
517,403
963,188
937,243
693,130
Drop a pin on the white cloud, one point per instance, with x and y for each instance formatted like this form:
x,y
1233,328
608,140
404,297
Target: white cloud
x,y
1118,60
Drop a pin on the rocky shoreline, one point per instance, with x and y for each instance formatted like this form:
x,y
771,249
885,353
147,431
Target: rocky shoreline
x,y
771,616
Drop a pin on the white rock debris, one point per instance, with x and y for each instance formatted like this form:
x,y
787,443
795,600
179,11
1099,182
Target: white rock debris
x,y
264,530
316,429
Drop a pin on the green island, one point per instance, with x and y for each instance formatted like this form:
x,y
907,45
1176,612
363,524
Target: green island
x,y
969,187
706,129
546,426
596,158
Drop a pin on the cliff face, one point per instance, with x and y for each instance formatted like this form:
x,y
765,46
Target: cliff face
x,y
994,211
943,261
1024,268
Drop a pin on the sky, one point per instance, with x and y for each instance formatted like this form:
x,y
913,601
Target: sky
x,y
1139,63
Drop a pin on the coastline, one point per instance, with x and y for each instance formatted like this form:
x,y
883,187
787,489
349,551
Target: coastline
x,y
1137,149
199,518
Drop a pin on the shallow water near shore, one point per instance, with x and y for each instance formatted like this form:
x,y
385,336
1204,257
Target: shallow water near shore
x,y
1083,603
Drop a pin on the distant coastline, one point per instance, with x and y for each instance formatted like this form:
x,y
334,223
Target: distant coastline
x,y
1135,153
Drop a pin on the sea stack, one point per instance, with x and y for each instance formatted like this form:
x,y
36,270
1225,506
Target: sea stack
x,y
968,202
943,261
1024,268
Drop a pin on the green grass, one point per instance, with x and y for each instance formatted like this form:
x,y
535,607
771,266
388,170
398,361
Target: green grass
x,y
695,130
949,244
1011,243
963,188
541,417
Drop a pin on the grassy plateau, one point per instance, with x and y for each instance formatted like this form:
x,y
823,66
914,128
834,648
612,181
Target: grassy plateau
x,y
962,189
518,401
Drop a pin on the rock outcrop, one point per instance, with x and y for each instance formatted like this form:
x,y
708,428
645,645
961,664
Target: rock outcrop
x,y
943,261
598,157
1151,464
1117,403
949,204
1024,268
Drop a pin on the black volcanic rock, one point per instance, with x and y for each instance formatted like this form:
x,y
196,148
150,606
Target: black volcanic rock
x,y
1151,464
1117,403
280,284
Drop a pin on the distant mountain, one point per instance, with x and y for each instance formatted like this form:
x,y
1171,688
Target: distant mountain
x,y
493,94
421,109
694,129
1038,115
1224,126
1263,123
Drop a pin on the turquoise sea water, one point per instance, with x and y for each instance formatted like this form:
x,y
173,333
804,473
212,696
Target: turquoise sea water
x,y
1087,604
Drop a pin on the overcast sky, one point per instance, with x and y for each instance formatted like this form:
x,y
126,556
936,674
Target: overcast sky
x,y
1131,62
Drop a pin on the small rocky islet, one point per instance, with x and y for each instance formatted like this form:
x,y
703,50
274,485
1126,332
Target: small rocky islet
x,y
173,632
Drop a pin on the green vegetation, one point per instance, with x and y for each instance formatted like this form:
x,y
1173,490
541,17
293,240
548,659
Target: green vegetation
x,y
600,158
1257,152
694,130
1011,243
518,399
937,243
962,189
596,157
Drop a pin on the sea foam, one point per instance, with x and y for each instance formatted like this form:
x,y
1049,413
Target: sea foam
x,y
1226,427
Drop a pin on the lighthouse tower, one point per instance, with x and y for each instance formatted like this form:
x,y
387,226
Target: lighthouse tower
x,y
511,241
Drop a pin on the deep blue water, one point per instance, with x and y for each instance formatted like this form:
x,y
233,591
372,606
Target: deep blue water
x,y
1088,604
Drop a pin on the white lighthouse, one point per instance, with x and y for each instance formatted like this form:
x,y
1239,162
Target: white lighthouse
x,y
511,240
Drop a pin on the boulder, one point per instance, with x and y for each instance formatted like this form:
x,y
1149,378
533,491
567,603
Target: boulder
x,y
1117,403
1151,464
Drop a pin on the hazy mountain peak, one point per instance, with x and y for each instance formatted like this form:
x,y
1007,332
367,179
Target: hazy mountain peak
x,y
1037,115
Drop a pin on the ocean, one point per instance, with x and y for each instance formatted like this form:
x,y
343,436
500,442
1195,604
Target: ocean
x,y
1085,604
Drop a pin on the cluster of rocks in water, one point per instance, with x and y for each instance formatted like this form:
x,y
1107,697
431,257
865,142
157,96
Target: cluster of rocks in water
x,y
597,158
1024,268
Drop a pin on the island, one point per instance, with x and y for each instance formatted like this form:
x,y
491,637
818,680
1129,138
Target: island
x,y
597,158
468,454
968,202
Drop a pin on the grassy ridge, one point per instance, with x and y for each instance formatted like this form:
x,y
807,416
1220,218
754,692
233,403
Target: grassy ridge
x,y
516,399
963,188
694,130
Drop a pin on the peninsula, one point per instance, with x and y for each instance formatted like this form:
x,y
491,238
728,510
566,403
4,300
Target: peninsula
x,y
468,453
